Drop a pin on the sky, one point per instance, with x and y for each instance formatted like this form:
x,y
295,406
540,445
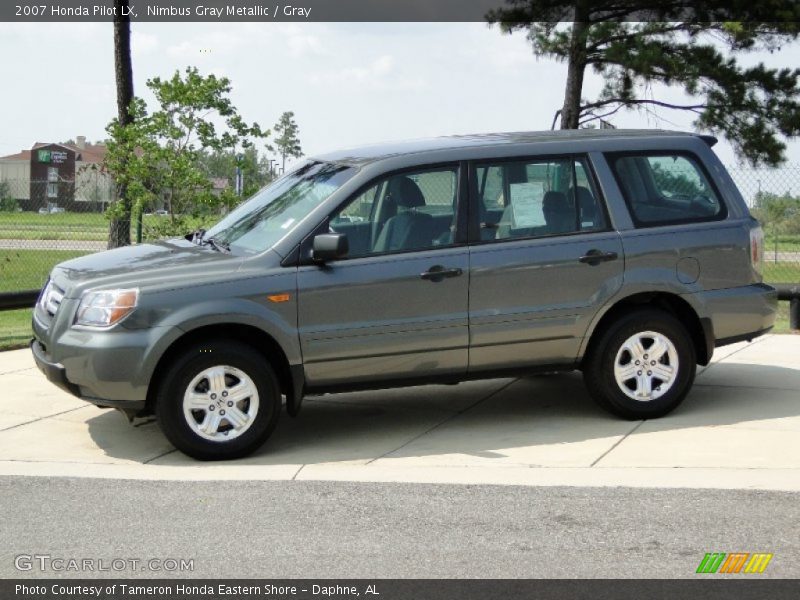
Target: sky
x,y
348,84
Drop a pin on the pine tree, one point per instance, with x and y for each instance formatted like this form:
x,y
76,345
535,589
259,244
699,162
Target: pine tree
x,y
752,107
286,139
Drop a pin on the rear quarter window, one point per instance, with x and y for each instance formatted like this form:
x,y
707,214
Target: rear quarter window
x,y
666,188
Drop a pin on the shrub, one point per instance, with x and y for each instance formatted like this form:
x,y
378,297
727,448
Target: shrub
x,y
9,205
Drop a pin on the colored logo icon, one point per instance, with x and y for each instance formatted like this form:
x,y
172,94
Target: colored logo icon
x,y
735,562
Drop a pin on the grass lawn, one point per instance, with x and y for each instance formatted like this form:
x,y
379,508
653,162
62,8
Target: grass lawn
x,y
782,322
786,243
28,269
72,226
59,226
782,272
15,328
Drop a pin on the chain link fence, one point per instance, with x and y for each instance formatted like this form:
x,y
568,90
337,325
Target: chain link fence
x,y
773,196
43,223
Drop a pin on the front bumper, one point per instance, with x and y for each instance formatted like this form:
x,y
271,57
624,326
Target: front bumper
x,y
55,372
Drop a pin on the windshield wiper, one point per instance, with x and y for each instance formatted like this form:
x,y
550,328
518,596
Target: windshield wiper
x,y
217,245
198,237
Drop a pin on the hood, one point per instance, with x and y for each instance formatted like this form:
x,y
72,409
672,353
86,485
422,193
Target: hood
x,y
161,262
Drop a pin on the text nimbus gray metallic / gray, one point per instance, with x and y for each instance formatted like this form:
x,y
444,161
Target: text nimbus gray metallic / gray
x,y
230,10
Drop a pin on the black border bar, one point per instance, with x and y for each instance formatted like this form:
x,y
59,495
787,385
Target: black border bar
x,y
707,587
785,11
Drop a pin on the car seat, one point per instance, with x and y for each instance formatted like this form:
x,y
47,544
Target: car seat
x,y
409,229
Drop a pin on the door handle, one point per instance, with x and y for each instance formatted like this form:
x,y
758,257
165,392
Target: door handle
x,y
438,272
595,257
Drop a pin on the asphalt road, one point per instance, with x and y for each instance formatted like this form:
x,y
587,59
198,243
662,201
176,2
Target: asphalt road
x,y
293,529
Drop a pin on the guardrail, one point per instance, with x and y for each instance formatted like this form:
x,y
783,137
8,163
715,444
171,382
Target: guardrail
x,y
14,300
791,292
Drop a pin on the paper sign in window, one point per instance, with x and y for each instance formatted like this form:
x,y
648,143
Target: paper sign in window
x,y
526,204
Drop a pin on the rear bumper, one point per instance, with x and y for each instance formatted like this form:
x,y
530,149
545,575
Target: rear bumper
x,y
744,337
741,313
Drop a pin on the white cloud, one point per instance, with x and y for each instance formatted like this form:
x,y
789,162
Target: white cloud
x,y
302,45
381,80
205,46
183,50
91,92
219,71
379,74
143,43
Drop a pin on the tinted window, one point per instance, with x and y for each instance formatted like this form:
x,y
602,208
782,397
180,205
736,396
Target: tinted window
x,y
662,189
402,212
537,198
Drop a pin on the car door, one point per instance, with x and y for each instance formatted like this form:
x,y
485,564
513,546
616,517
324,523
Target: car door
x,y
396,307
542,262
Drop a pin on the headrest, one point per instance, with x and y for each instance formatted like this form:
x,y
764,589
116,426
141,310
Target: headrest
x,y
555,203
406,193
585,202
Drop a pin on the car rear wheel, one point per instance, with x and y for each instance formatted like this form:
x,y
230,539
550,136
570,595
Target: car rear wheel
x,y
219,400
642,366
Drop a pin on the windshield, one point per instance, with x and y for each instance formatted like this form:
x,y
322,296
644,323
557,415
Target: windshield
x,y
271,213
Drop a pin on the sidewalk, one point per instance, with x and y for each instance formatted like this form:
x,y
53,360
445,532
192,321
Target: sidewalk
x,y
738,429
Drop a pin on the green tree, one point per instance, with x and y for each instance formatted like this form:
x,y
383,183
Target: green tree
x,y
287,140
222,165
751,106
677,181
166,147
777,214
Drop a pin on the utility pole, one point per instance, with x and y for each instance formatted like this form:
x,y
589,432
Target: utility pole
x,y
239,175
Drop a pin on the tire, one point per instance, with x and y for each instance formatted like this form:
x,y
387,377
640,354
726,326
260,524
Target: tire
x,y
205,384
613,358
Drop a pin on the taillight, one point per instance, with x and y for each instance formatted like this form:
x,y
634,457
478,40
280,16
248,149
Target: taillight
x,y
757,249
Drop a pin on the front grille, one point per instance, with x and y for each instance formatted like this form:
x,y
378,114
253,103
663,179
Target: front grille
x,y
51,298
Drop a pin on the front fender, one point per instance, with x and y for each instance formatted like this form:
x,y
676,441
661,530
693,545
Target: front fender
x,y
278,323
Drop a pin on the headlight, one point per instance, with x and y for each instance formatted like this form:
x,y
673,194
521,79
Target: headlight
x,y
106,307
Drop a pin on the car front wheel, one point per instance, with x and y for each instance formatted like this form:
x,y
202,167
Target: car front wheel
x,y
219,400
642,366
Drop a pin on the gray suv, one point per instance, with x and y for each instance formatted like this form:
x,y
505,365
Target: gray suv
x,y
629,255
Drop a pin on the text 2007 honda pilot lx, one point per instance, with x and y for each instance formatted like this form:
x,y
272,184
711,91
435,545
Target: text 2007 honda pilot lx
x,y
629,255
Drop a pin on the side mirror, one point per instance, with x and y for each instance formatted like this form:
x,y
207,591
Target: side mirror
x,y
330,246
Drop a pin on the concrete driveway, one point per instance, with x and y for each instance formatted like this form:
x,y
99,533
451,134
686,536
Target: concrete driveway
x,y
738,429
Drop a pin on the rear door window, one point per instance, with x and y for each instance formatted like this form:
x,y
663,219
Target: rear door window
x,y
536,198
662,189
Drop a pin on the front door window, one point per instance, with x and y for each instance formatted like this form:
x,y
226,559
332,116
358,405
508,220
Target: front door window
x,y
401,213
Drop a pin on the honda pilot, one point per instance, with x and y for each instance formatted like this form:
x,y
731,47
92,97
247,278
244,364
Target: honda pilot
x,y
628,255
